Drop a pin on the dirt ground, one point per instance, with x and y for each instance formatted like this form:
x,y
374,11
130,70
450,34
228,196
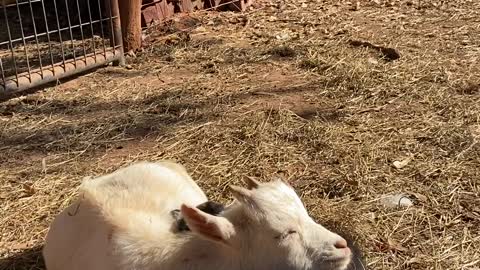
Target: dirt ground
x,y
278,90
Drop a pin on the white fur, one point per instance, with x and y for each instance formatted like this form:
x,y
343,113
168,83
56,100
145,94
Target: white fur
x,y
123,222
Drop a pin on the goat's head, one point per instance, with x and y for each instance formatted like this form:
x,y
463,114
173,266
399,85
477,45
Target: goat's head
x,y
268,227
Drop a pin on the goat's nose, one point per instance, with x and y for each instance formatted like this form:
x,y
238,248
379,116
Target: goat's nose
x,y
341,243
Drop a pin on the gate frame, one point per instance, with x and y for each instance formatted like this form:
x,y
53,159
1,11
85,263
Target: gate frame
x,y
16,84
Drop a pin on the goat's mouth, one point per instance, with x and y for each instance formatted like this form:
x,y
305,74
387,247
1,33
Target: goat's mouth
x,y
340,259
352,261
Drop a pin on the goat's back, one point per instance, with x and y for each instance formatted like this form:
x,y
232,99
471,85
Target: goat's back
x,y
136,199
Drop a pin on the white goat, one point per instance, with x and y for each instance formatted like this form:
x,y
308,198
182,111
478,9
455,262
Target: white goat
x,y
122,221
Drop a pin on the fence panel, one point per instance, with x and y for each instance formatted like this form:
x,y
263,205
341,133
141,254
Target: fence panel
x,y
45,40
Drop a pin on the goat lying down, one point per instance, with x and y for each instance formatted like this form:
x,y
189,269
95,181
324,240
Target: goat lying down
x,y
214,208
123,221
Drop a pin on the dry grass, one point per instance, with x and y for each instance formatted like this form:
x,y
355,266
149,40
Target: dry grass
x,y
277,91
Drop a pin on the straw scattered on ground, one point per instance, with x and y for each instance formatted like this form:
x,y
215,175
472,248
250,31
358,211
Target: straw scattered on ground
x,y
280,90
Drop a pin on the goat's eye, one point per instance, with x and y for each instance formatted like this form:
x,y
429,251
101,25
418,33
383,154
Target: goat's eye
x,y
291,231
285,234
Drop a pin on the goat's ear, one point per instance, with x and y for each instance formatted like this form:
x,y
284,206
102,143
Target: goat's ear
x,y
211,227
252,183
242,195
281,179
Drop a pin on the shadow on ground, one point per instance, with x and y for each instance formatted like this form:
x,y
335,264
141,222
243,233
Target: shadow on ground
x,y
91,123
30,259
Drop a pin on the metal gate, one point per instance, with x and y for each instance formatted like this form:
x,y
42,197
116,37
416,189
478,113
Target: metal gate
x,y
42,41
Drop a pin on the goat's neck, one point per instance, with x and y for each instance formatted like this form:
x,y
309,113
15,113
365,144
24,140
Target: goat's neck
x,y
191,252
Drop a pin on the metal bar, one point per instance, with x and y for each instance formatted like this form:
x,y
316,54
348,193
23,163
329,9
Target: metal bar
x,y
21,3
117,31
4,82
81,31
11,89
36,38
51,32
59,31
112,31
91,29
48,36
101,27
71,33
57,65
10,39
23,39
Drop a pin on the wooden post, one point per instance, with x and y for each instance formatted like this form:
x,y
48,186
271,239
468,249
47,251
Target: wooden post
x,y
131,19
117,33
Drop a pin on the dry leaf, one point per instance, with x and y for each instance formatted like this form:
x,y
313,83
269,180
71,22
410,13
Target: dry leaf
x,y
415,260
352,182
394,245
272,19
403,163
16,246
28,189
357,5
419,196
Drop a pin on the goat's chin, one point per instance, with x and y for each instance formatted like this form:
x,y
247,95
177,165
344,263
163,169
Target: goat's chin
x,y
340,262
343,263
334,263
355,263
